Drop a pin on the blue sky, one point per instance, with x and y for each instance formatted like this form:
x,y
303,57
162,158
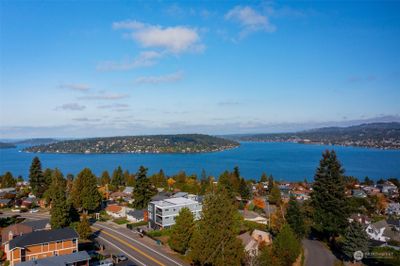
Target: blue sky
x,y
102,68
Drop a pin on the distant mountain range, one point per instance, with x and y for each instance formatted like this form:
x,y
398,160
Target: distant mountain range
x,y
184,143
374,135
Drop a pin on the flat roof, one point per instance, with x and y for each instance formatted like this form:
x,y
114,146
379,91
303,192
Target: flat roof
x,y
174,201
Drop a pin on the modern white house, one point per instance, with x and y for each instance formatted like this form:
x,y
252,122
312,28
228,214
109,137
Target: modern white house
x,y
162,213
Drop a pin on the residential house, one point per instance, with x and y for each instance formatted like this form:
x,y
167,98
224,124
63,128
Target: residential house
x,y
394,223
8,189
382,231
39,225
388,188
28,202
393,208
80,258
13,231
162,213
253,217
370,190
136,216
116,211
41,244
4,203
358,193
128,191
253,242
360,218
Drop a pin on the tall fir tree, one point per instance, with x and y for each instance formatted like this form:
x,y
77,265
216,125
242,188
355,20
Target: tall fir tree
x,y
264,177
36,178
296,218
105,178
286,247
59,208
275,195
328,198
84,194
143,189
117,179
57,180
244,189
182,231
7,180
271,182
355,239
215,239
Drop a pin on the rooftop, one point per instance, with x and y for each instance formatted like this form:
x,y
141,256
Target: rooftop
x,y
174,202
43,237
58,260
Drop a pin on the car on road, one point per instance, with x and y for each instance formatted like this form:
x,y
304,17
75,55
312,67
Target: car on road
x,y
119,258
106,262
34,210
15,210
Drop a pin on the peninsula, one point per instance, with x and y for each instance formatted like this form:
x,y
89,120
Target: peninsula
x,y
373,135
183,143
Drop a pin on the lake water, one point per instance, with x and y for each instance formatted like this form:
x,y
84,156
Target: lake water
x,y
285,161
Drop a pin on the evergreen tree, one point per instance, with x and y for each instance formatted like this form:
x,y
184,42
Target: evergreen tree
x,y
105,178
7,180
83,228
264,177
84,194
47,176
143,190
296,218
36,178
244,189
215,239
275,195
117,179
59,208
57,180
355,239
286,246
182,231
270,182
328,197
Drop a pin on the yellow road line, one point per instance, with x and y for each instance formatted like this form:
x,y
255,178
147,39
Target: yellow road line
x,y
130,246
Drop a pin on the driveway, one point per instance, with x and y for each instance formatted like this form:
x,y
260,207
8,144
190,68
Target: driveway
x,y
316,254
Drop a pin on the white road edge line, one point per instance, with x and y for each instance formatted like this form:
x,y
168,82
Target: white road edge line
x,y
115,246
143,245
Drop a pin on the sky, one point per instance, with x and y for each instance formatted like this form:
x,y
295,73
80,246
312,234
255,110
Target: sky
x,y
106,68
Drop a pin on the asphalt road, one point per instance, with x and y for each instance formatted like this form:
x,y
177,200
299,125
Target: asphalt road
x,y
316,254
140,251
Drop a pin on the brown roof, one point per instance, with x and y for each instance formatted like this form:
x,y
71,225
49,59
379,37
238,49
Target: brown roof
x,y
16,229
113,208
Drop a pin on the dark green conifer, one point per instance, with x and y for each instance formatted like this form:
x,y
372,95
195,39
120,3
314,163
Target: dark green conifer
x,y
182,231
143,189
328,197
296,218
355,239
36,178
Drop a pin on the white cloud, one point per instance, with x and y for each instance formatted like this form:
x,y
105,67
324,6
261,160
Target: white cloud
x,y
104,96
71,106
114,105
173,77
250,20
144,59
75,87
176,40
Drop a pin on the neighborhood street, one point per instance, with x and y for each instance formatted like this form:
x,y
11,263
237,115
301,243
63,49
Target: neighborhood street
x,y
316,254
140,251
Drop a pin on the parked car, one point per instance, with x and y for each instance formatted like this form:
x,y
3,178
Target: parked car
x,y
106,262
34,210
15,210
119,258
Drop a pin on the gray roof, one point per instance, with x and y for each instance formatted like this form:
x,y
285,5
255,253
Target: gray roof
x,y
5,201
38,224
58,260
138,214
43,237
180,194
380,224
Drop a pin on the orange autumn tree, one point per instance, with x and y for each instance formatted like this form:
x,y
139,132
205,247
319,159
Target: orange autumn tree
x,y
170,182
259,203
